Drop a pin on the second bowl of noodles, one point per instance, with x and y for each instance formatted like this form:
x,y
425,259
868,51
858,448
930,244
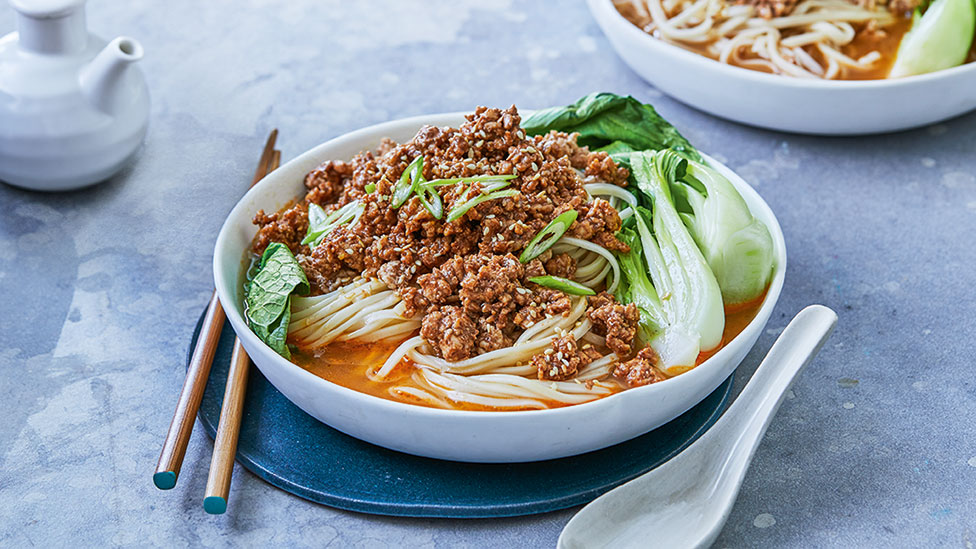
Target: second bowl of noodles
x,y
820,67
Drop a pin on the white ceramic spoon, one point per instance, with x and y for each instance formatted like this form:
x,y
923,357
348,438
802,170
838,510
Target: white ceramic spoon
x,y
685,502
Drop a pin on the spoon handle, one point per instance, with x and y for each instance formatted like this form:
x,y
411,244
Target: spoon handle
x,y
746,421
685,501
755,407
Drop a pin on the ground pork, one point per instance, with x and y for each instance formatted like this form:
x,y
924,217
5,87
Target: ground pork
x,y
287,227
618,323
563,359
640,369
450,331
461,278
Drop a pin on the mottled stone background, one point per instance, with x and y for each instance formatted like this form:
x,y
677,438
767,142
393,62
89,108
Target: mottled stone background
x,y
100,288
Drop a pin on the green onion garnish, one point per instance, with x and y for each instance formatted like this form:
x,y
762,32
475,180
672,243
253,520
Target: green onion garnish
x,y
320,224
459,210
548,235
316,216
432,201
562,284
456,180
369,188
412,176
412,182
494,186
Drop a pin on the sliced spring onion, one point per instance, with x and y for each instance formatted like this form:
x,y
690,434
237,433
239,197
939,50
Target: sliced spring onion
x,y
412,177
431,200
548,235
316,217
494,186
370,188
320,224
459,210
456,180
562,284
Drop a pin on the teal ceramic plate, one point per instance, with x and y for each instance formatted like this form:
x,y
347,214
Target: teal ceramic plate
x,y
295,452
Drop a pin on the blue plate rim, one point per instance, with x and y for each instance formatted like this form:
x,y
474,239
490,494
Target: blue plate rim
x,y
458,511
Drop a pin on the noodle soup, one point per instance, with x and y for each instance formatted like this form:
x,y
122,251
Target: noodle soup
x,y
828,39
484,268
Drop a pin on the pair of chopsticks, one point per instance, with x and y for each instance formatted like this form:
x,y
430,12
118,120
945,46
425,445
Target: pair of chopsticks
x,y
225,443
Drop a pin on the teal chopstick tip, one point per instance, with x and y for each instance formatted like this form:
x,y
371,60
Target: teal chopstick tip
x,y
164,480
215,505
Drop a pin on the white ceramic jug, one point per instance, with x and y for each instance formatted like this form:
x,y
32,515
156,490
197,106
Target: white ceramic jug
x,y
73,109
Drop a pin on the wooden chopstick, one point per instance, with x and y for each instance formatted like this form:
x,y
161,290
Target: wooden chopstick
x,y
180,428
225,443
265,162
229,426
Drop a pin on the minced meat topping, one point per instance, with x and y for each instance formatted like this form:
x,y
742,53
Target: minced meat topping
x,y
464,278
640,369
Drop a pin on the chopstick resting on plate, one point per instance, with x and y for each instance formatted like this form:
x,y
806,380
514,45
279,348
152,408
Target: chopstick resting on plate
x,y
229,426
174,446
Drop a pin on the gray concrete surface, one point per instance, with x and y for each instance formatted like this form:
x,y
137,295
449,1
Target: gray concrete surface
x,y
100,288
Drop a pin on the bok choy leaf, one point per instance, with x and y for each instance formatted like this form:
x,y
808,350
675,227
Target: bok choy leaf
x,y
939,39
736,245
608,120
267,301
667,276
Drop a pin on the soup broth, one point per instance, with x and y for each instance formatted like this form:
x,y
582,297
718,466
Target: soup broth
x,y
346,363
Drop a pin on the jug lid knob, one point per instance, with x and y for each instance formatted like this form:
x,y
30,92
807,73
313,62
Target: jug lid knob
x,y
46,9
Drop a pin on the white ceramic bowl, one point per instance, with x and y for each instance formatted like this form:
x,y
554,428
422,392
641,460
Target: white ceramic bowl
x,y
465,435
824,107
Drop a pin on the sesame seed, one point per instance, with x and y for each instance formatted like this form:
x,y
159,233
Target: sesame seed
x,y
481,134
349,251
535,167
479,143
530,149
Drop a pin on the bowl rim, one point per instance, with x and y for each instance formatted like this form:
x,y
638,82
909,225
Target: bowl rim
x,y
374,132
607,9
